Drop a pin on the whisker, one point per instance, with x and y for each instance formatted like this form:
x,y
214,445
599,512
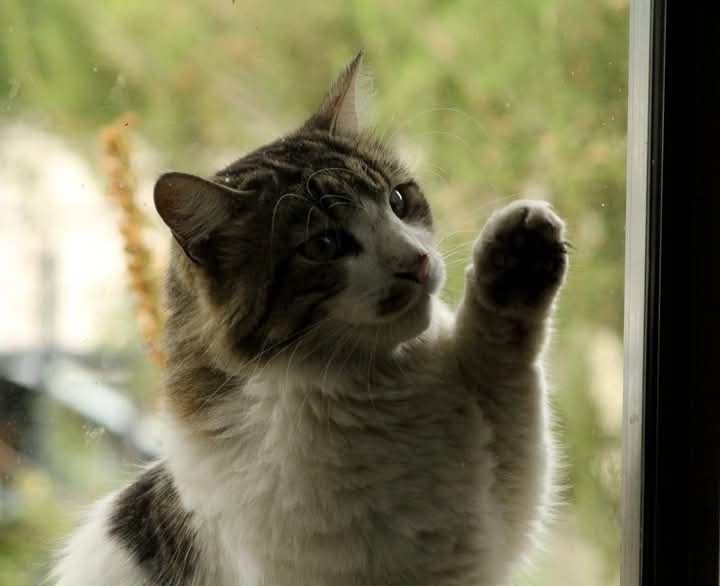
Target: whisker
x,y
307,222
274,214
407,121
448,134
342,203
259,366
339,196
455,233
338,346
371,360
307,392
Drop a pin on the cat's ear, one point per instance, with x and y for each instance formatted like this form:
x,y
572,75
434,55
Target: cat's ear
x,y
342,109
193,208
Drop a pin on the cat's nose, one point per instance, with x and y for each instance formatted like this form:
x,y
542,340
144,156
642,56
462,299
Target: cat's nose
x,y
417,269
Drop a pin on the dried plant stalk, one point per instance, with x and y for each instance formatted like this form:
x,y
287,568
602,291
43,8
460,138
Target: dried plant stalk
x,y
117,147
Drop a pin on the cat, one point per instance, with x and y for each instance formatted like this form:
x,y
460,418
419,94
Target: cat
x,y
329,421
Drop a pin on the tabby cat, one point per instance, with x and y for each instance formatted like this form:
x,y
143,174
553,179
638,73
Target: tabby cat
x,y
328,420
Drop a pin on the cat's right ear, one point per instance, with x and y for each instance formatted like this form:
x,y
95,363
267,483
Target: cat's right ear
x,y
193,208
344,107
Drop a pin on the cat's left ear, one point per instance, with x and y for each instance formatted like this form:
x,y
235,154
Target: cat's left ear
x,y
194,208
342,109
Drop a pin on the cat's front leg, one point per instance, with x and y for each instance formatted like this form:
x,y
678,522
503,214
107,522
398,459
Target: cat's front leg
x,y
519,262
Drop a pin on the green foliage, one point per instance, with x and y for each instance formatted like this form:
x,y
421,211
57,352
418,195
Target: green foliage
x,y
497,99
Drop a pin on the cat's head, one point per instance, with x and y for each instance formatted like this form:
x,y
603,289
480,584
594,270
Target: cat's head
x,y
321,234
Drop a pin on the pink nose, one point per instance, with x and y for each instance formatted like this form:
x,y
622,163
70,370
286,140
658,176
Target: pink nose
x,y
417,270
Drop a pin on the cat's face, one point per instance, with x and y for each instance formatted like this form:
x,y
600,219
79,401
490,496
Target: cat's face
x,y
321,235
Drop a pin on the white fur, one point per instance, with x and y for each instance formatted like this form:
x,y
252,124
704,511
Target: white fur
x,y
91,558
291,448
388,244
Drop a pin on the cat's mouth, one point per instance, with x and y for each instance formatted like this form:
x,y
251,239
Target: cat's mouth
x,y
399,298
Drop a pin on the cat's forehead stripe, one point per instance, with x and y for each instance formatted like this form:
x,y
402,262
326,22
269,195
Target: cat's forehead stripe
x,y
323,153
328,161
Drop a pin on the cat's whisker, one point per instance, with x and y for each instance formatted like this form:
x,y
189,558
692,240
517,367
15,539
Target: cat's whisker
x,y
452,244
441,171
258,367
346,198
298,339
356,343
435,170
463,247
338,346
409,120
343,200
454,233
349,205
458,257
307,222
472,215
275,211
371,361
457,137
212,395
396,362
459,261
289,341
322,386
289,363
301,408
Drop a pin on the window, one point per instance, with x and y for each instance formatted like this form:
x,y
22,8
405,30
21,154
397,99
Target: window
x,y
672,434
490,101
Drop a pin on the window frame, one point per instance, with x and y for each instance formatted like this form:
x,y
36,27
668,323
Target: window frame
x,y
671,439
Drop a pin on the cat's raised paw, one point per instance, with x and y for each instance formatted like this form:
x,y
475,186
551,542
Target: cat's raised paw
x,y
520,257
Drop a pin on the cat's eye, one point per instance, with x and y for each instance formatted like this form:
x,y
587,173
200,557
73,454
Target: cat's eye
x,y
398,203
322,247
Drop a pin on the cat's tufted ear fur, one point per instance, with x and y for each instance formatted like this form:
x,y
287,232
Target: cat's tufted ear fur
x,y
342,110
194,208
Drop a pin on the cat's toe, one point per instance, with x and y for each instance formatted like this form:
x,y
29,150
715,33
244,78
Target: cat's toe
x,y
521,255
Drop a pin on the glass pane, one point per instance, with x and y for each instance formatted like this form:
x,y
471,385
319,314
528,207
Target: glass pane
x,y
488,102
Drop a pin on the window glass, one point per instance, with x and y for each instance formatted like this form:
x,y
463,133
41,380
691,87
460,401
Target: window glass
x,y
488,101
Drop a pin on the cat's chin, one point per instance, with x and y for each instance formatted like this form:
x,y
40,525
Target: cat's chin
x,y
388,331
406,324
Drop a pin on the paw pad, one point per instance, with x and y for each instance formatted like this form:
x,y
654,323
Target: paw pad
x,y
521,256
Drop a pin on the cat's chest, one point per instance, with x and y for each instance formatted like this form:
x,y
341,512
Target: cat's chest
x,y
316,460
304,432
348,486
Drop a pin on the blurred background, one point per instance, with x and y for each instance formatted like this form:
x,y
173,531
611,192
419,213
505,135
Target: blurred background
x,y
488,101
